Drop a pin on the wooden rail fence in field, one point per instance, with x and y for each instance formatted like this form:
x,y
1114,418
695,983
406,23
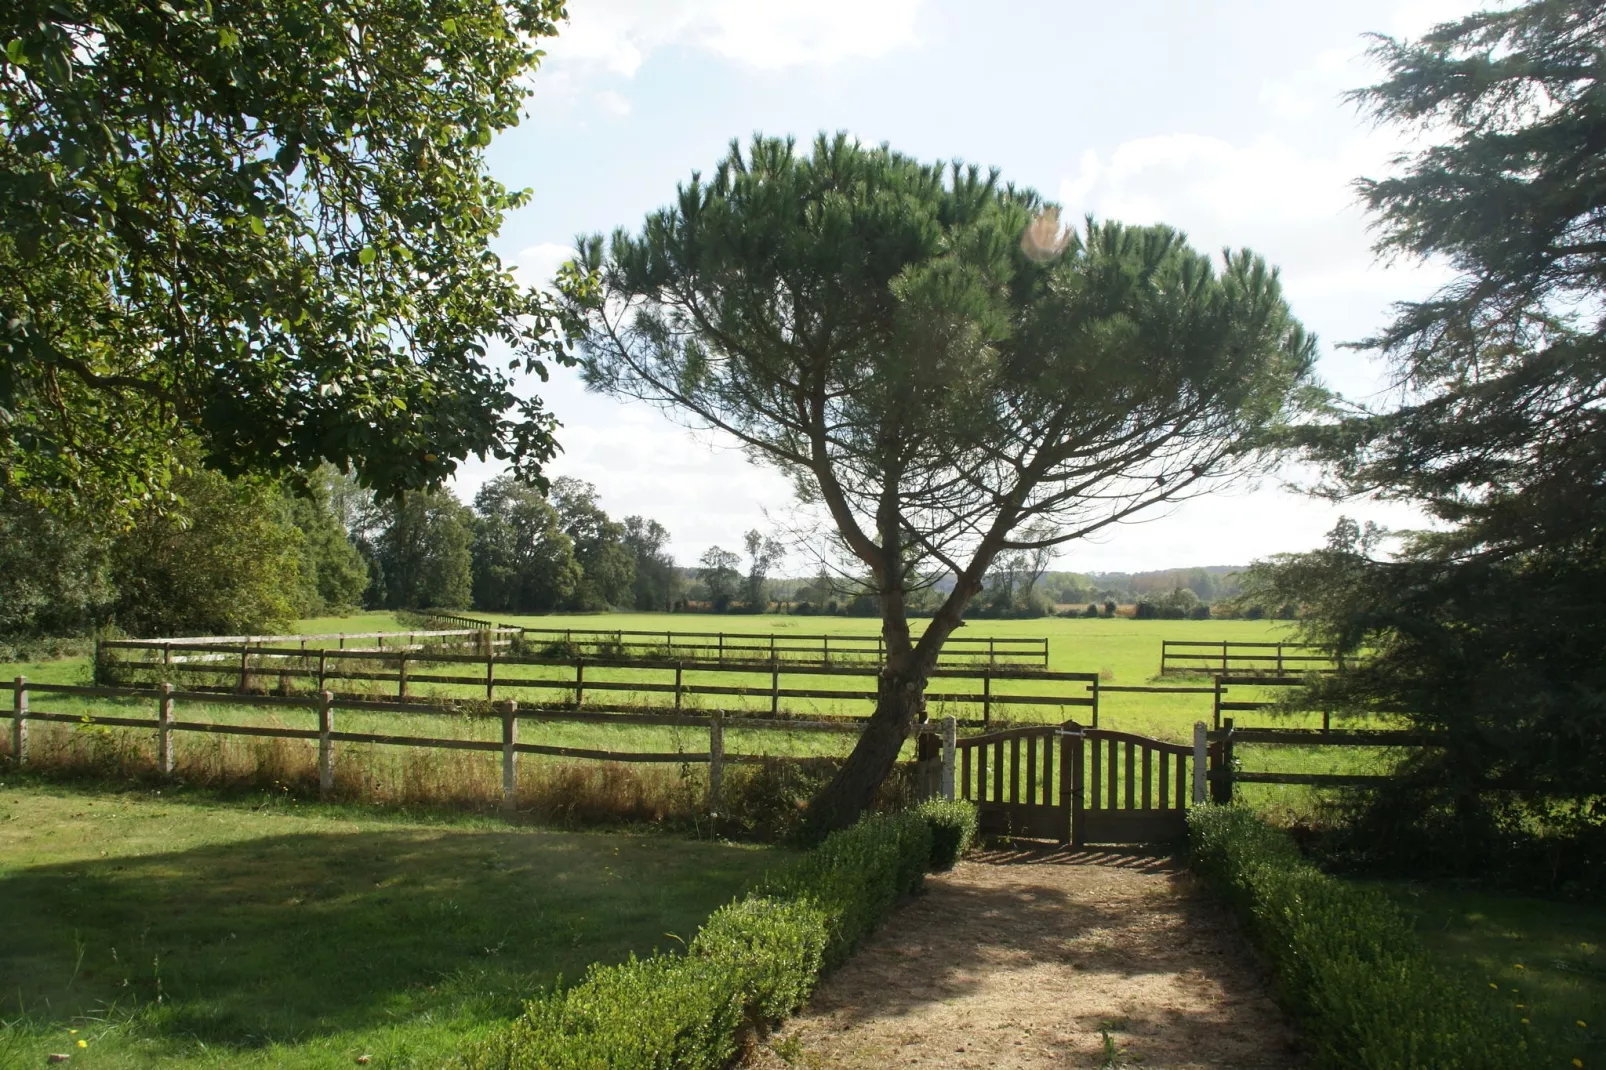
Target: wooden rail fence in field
x,y
325,705
1224,772
1280,659
256,666
722,647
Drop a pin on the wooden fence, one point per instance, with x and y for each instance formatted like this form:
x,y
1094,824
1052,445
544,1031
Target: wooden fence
x,y
256,667
1279,659
1224,773
325,705
723,647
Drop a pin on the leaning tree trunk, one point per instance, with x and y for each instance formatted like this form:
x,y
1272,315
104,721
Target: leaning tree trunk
x,y
900,697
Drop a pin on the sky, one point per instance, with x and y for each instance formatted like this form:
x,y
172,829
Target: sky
x,y
1225,120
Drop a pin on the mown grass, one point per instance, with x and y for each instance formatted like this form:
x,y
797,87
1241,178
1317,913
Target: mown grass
x,y
178,929
1546,958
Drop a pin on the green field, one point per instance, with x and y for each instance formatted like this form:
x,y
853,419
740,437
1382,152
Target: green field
x,y
182,931
1122,652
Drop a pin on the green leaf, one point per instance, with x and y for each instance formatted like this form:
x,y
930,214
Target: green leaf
x,y
367,255
258,227
16,53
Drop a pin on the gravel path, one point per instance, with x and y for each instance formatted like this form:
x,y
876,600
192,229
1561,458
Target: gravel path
x,y
1027,959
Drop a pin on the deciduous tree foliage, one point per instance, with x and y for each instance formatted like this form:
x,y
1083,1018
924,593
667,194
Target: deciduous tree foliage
x,y
523,561
263,225
607,565
1488,629
425,551
936,366
658,584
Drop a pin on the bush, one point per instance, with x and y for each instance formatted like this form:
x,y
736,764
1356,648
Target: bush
x,y
754,962
1347,962
953,830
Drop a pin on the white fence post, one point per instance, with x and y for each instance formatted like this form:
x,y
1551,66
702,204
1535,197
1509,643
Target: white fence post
x,y
326,744
510,739
1200,775
164,731
716,761
19,722
950,742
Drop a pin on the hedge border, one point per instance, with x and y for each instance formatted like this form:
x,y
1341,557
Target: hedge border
x,y
1348,964
753,963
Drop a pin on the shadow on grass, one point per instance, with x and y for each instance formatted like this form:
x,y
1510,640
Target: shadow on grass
x,y
279,939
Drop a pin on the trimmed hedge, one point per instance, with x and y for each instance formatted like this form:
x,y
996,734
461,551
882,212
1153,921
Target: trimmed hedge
x,y
753,963
953,830
1348,964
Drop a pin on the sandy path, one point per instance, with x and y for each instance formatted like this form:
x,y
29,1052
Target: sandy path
x,y
1021,959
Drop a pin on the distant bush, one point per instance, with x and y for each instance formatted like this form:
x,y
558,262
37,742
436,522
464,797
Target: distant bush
x,y
753,963
1347,962
953,830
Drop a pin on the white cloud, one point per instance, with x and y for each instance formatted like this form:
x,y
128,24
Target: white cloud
x,y
537,265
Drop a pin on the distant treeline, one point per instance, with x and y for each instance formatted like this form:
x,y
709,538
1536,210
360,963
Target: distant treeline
x,y
230,556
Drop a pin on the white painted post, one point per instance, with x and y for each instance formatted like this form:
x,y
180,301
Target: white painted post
x,y
716,761
510,738
19,722
164,731
1199,772
326,744
950,743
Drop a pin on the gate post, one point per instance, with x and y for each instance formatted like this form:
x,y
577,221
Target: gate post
x,y
1071,784
950,739
1199,769
716,761
1221,775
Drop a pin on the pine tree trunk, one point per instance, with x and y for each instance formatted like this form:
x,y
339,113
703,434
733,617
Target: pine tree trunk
x,y
900,698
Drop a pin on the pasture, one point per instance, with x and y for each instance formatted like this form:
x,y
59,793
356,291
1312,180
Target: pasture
x,y
181,930
1121,651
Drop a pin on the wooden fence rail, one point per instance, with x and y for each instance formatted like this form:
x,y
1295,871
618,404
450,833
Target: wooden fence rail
x,y
247,667
767,646
1224,773
326,705
1227,657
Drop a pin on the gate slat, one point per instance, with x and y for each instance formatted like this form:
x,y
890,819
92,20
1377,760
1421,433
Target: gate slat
x,y
1165,779
1131,778
998,771
1115,750
1095,798
981,772
1148,777
1014,771
1031,770
1182,783
1048,772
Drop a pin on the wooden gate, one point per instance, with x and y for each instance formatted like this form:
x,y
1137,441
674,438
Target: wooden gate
x,y
1076,785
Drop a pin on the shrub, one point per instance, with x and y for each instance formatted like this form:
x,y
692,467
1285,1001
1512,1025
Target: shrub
x,y
953,830
754,962
1347,962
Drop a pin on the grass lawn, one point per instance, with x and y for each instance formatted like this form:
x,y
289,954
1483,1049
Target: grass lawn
x,y
181,931
1547,958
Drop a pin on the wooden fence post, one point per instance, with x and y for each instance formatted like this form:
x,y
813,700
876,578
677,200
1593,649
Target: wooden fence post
x,y
1223,655
164,731
323,655
510,739
1216,721
326,744
1200,773
825,649
579,681
716,761
19,722
775,685
1095,702
950,745
245,654
679,696
401,678
986,695
1221,775
490,676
